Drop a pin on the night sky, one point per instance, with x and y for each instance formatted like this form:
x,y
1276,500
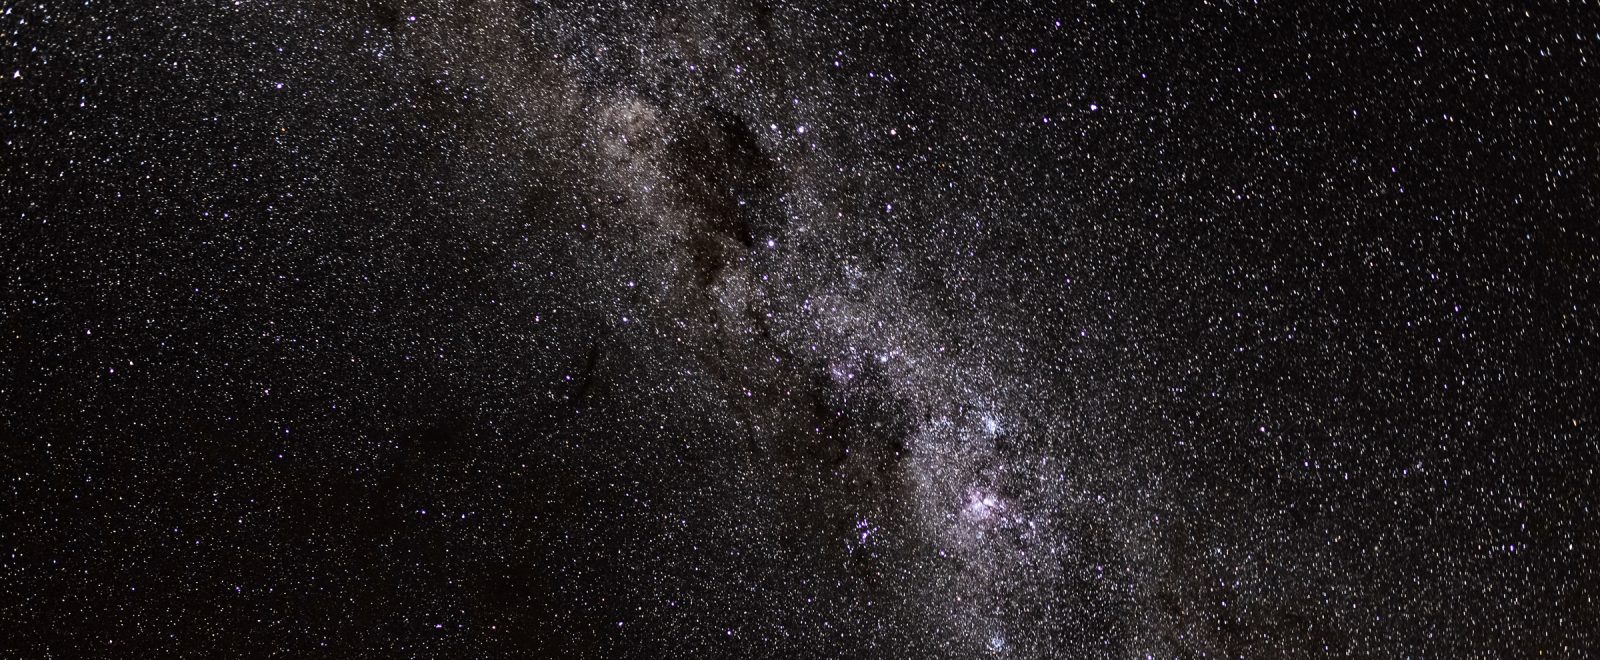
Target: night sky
x,y
626,329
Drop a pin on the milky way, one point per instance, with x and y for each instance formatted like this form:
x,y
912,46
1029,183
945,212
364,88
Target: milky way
x,y
894,330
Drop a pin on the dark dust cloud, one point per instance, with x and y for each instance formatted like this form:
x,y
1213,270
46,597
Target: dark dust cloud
x,y
513,328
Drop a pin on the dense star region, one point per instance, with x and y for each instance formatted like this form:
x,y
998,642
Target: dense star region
x,y
514,328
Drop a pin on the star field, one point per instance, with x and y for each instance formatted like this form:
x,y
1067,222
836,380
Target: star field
x,y
514,328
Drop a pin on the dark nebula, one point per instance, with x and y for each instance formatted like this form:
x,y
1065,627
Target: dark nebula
x,y
513,328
